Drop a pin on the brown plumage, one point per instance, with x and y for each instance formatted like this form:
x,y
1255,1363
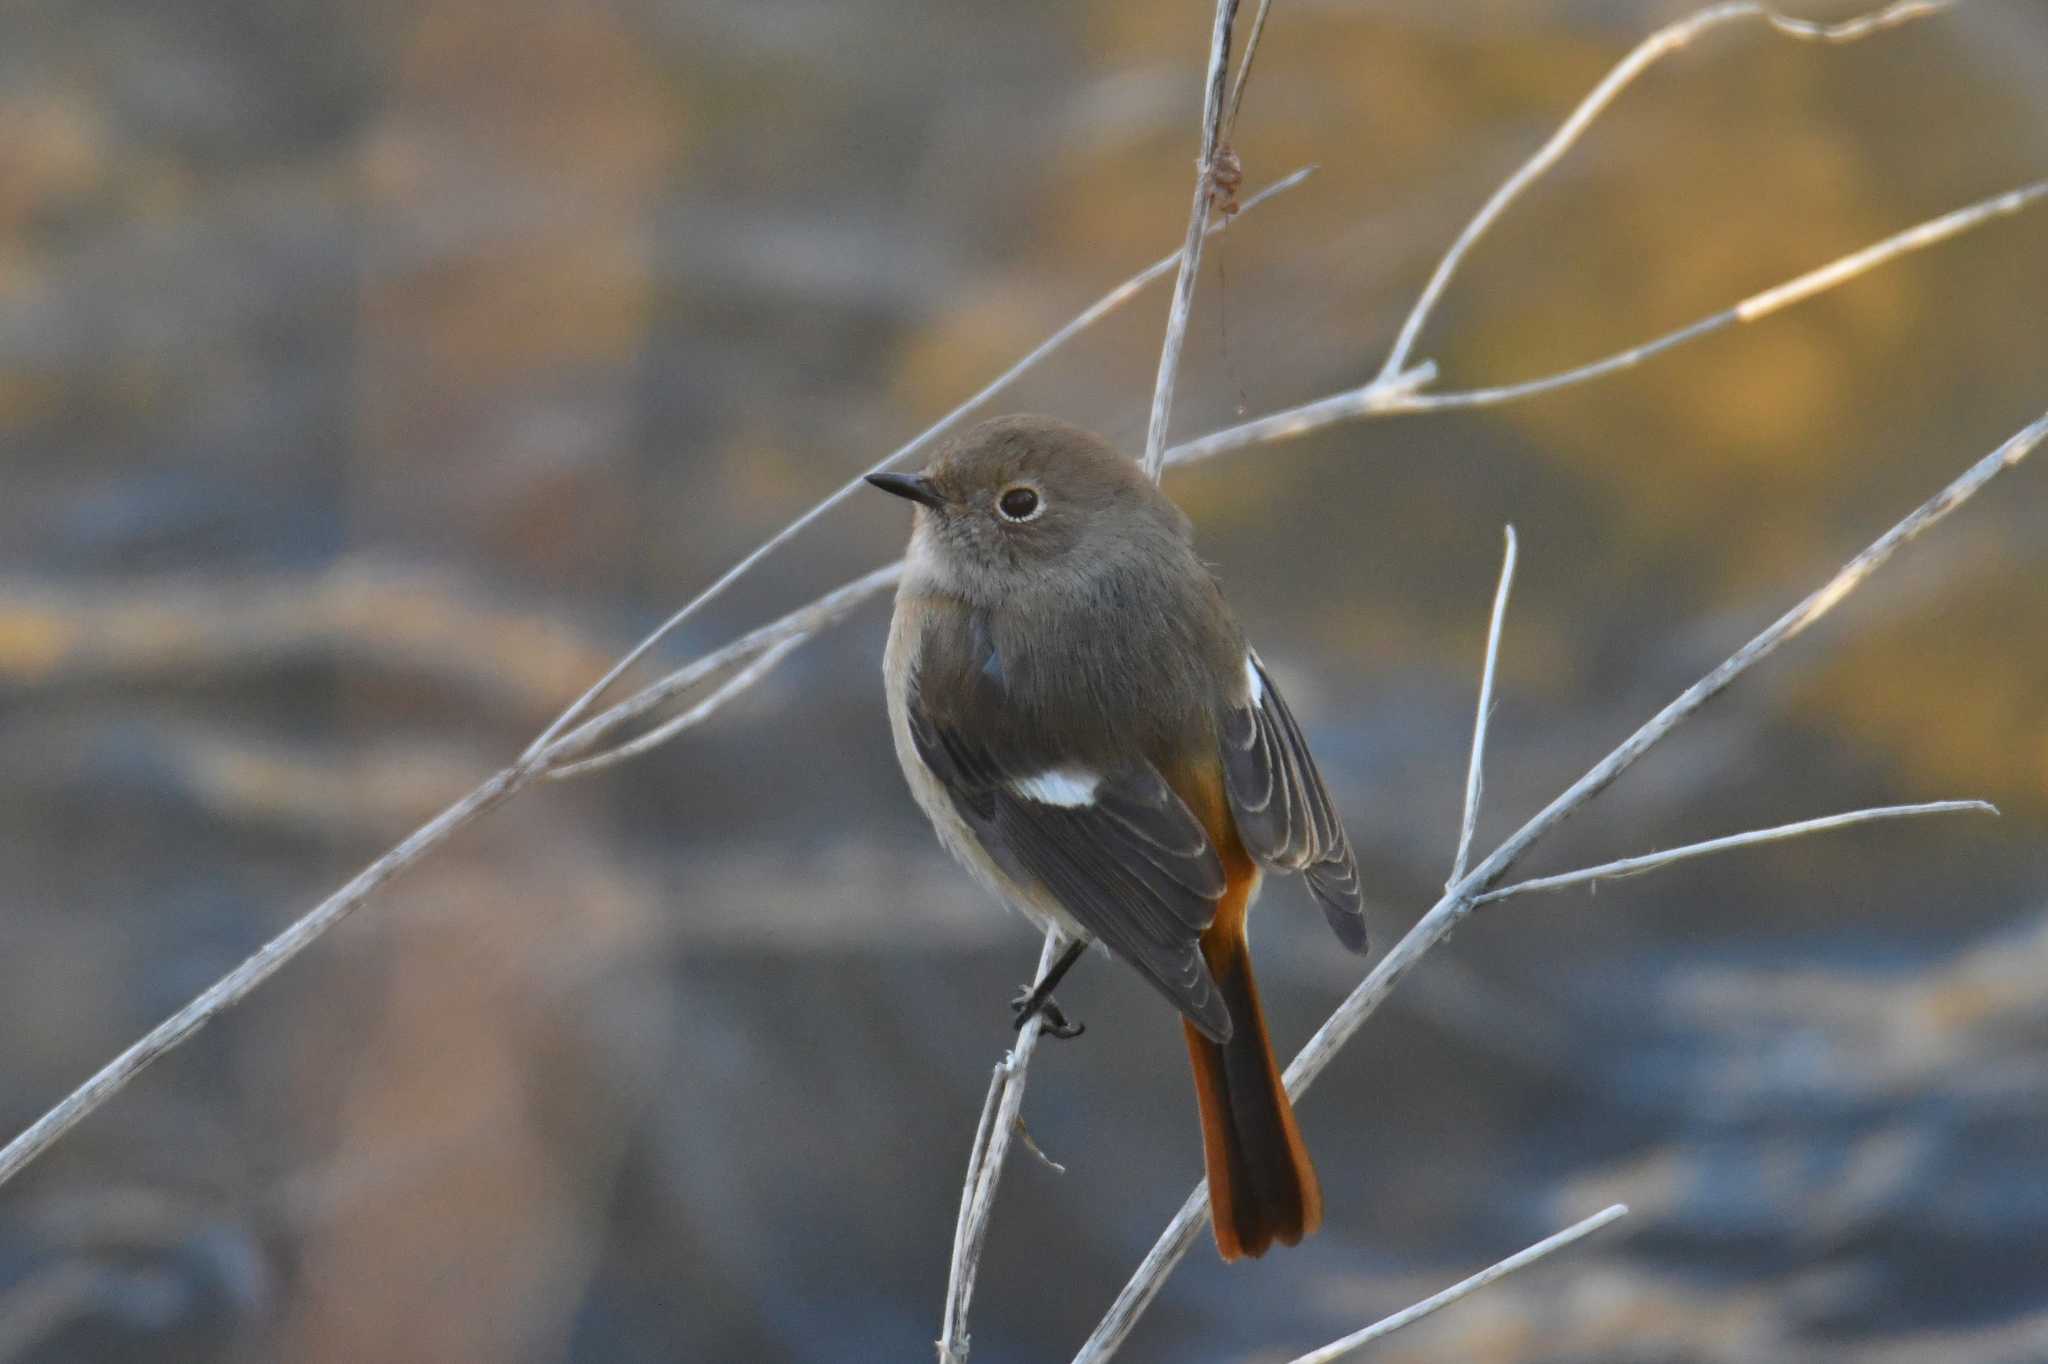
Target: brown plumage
x,y
1262,1185
1080,716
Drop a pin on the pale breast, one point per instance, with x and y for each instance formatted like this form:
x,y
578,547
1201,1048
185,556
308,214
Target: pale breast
x,y
906,631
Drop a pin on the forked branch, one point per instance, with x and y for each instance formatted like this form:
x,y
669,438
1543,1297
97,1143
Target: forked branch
x,y
1198,226
999,1121
558,750
1461,898
1408,1316
576,736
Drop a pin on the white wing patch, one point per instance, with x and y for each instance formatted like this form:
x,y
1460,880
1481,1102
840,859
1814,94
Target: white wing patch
x,y
1067,787
1251,679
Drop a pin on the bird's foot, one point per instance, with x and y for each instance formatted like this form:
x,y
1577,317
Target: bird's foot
x,y
1039,1001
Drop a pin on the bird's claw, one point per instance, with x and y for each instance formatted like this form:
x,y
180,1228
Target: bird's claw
x,y
1057,1024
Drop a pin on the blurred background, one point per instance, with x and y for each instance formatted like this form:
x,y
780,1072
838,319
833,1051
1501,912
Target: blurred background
x,y
372,374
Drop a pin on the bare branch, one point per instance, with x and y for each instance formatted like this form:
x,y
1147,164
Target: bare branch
x,y
553,751
1755,306
1457,902
1408,1316
237,984
1037,1151
797,626
952,1351
695,715
985,1170
1385,396
1403,394
1086,318
560,746
1475,774
1244,69
1912,239
978,1198
230,989
1191,253
1647,53
1636,866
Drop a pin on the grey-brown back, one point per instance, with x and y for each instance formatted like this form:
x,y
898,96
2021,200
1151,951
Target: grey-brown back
x,y
1076,707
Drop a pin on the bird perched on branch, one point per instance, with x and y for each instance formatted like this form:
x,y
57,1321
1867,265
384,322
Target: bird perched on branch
x,y
1079,715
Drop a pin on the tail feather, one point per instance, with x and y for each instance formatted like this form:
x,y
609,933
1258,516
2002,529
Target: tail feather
x,y
1262,1186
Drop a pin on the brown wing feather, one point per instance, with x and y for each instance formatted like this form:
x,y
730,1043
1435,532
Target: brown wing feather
x,y
1132,865
1280,806
1262,1185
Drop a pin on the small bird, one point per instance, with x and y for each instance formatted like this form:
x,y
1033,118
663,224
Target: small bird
x,y
1080,717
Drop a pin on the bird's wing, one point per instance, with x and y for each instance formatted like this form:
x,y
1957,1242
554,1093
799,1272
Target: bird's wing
x,y
1283,813
1114,847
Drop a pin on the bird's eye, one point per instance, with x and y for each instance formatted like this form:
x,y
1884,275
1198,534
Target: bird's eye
x,y
1018,504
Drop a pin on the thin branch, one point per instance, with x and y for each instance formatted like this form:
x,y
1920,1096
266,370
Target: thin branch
x,y
985,1170
1384,396
1180,1234
1386,1326
977,1154
806,621
1037,1151
1475,773
540,759
1244,69
1648,53
557,749
237,984
1403,395
798,626
1191,253
1912,239
230,989
1088,317
1756,305
1636,866
695,715
978,1197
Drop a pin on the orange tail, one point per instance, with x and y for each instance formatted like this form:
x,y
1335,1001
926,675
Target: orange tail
x,y
1262,1187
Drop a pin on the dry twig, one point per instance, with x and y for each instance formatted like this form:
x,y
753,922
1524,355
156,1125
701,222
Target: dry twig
x,y
1475,771
552,753
1082,321
1400,387
1191,253
1647,53
985,1167
1404,394
1460,899
571,742
1408,1316
999,1121
1636,866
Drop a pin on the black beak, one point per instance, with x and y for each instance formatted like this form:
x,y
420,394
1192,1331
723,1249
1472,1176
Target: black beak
x,y
912,486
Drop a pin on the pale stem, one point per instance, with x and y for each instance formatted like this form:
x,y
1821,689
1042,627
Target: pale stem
x,y
1244,67
1405,393
237,984
978,1194
977,1199
1475,772
553,751
696,715
1408,1316
1088,317
1457,902
1191,253
1647,53
1636,866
